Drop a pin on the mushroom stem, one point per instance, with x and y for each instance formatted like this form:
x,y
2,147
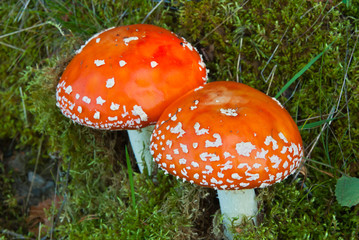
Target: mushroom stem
x,y
140,142
237,204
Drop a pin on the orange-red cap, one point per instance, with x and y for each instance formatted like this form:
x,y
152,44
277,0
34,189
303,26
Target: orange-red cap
x,y
124,77
227,136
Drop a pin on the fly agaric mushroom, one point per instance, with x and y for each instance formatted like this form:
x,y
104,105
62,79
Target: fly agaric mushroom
x,y
124,77
230,137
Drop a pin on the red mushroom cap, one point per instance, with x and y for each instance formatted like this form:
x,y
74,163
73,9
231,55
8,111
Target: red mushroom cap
x,y
124,77
227,136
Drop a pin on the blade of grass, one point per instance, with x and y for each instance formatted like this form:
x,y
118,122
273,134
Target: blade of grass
x,y
305,68
130,176
315,124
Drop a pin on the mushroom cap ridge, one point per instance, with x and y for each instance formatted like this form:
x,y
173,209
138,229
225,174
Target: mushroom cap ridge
x,y
227,136
124,77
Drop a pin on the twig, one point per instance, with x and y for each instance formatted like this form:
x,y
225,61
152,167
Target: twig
x,y
239,69
152,10
271,75
33,176
12,46
64,200
34,26
19,16
23,107
14,234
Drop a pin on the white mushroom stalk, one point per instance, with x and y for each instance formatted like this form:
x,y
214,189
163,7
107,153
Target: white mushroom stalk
x,y
237,204
140,142
229,137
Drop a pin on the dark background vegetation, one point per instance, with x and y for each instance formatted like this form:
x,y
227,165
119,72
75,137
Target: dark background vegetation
x,y
83,179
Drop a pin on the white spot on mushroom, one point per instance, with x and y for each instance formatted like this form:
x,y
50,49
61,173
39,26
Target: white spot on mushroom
x,y
276,160
137,111
71,106
270,139
174,117
211,156
242,165
98,40
110,82
99,62
227,155
209,169
262,154
226,166
96,115
285,164
200,131
68,90
193,107
277,102
169,157
201,63
86,99
184,172
122,63
196,175
184,148
129,39
236,176
196,89
77,96
79,109
195,145
169,143
204,182
243,184
257,165
153,64
215,181
115,118
229,112
284,150
182,161
188,45
114,106
263,185
176,151
100,101
216,143
294,147
178,130
195,164
252,177
279,176
245,148
172,166
281,136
